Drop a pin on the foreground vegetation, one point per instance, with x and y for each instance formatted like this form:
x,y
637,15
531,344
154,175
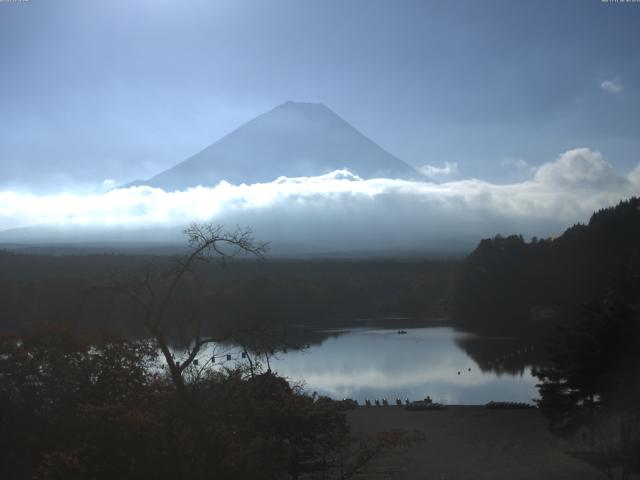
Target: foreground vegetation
x,y
102,408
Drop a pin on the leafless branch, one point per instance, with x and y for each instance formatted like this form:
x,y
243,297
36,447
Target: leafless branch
x,y
155,292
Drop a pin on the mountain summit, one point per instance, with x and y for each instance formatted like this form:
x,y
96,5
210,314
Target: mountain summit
x,y
293,140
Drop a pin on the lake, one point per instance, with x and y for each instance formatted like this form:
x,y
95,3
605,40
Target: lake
x,y
369,363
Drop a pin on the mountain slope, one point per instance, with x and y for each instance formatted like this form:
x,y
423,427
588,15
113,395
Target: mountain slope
x,y
293,139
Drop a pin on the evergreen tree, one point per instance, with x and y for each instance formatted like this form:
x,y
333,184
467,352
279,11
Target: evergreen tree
x,y
594,364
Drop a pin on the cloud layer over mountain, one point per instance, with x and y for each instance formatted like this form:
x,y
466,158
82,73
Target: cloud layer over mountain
x,y
340,211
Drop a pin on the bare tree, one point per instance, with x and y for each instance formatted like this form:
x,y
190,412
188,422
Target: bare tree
x,y
155,292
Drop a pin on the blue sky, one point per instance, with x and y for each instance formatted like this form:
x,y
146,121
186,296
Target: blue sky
x,y
121,89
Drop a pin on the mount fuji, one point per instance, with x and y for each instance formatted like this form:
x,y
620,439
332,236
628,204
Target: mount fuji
x,y
293,140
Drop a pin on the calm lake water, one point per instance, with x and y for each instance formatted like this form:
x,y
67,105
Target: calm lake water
x,y
369,363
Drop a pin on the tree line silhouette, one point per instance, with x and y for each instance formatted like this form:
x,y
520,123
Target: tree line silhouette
x,y
515,287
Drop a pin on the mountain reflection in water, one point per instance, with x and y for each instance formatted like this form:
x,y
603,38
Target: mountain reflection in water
x,y
369,363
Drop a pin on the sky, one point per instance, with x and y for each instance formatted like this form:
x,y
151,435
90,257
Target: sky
x,y
98,93
93,90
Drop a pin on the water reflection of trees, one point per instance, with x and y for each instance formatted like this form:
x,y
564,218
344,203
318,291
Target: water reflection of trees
x,y
500,355
510,356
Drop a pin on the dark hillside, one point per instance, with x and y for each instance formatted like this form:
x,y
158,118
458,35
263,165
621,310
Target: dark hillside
x,y
35,288
511,286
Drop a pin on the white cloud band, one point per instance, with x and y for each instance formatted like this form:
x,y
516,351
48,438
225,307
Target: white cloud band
x,y
341,211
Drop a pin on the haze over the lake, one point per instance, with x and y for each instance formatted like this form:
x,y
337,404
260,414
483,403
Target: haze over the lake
x,y
409,127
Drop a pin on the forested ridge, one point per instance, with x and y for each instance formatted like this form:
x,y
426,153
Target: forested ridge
x,y
513,286
37,288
